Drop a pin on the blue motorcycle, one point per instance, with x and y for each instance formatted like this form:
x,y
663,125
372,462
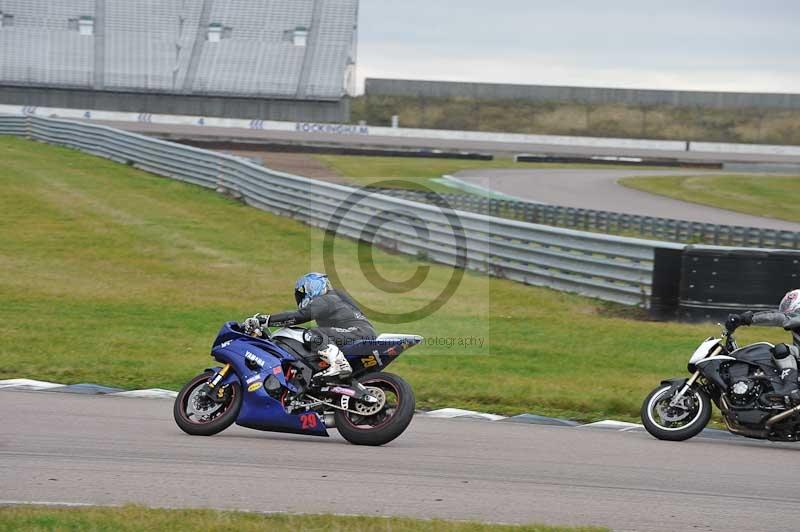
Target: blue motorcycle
x,y
268,381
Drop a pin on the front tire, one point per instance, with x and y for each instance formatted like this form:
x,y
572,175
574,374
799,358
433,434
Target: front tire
x,y
675,423
388,422
199,416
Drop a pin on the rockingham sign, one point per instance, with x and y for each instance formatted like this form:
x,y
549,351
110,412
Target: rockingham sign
x,y
398,132
342,129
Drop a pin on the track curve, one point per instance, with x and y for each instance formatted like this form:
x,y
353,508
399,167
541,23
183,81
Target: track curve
x,y
598,189
564,186
112,450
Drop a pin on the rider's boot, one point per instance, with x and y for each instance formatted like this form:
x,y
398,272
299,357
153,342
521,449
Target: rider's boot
x,y
788,389
339,366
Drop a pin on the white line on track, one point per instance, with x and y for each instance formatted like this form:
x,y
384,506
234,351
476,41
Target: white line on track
x,y
50,503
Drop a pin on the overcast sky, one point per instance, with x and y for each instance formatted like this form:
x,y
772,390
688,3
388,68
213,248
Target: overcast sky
x,y
726,45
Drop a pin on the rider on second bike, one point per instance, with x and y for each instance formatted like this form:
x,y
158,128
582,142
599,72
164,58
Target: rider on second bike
x,y
339,321
788,317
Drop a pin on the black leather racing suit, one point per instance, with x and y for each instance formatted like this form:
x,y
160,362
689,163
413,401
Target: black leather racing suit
x,y
790,322
339,319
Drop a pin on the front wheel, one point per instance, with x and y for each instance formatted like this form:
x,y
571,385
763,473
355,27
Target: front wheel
x,y
675,422
198,415
380,423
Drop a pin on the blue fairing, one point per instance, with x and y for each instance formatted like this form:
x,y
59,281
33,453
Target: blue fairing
x,y
260,410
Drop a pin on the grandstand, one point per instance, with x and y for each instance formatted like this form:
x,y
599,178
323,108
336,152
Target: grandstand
x,y
267,59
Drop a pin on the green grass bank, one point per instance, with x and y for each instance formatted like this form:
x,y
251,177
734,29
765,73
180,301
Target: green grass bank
x,y
136,518
773,196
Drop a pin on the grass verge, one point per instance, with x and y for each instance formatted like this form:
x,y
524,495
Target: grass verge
x,y
131,518
760,195
118,277
419,173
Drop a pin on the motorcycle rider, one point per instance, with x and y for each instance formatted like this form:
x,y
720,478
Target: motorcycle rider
x,y
339,321
785,356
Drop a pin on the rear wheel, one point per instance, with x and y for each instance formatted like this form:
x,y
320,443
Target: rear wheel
x,y
198,415
380,423
677,422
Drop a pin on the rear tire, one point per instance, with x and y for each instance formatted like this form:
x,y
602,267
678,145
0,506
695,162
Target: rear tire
x,y
695,419
378,429
186,415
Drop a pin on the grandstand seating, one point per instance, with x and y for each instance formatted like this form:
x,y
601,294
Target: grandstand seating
x,y
40,48
331,44
257,58
46,14
148,43
164,46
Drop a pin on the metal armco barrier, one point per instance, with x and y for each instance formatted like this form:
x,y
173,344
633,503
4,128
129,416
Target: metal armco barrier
x,y
13,125
606,267
614,222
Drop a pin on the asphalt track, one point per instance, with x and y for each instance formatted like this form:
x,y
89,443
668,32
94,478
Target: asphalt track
x,y
172,131
64,448
598,189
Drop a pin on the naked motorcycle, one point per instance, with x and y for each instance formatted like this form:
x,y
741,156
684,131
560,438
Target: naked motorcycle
x,y
268,381
739,380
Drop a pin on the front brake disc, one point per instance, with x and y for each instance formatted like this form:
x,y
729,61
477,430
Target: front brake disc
x,y
202,407
672,414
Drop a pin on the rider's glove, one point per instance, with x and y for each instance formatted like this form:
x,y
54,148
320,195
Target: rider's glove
x,y
250,325
735,320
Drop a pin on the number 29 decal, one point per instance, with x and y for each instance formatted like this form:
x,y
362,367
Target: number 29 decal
x,y
308,421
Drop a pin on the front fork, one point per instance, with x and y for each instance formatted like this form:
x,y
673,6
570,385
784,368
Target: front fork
x,y
685,388
691,381
219,376
219,395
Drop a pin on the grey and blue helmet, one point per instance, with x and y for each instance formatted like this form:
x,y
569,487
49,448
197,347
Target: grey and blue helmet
x,y
790,304
309,286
